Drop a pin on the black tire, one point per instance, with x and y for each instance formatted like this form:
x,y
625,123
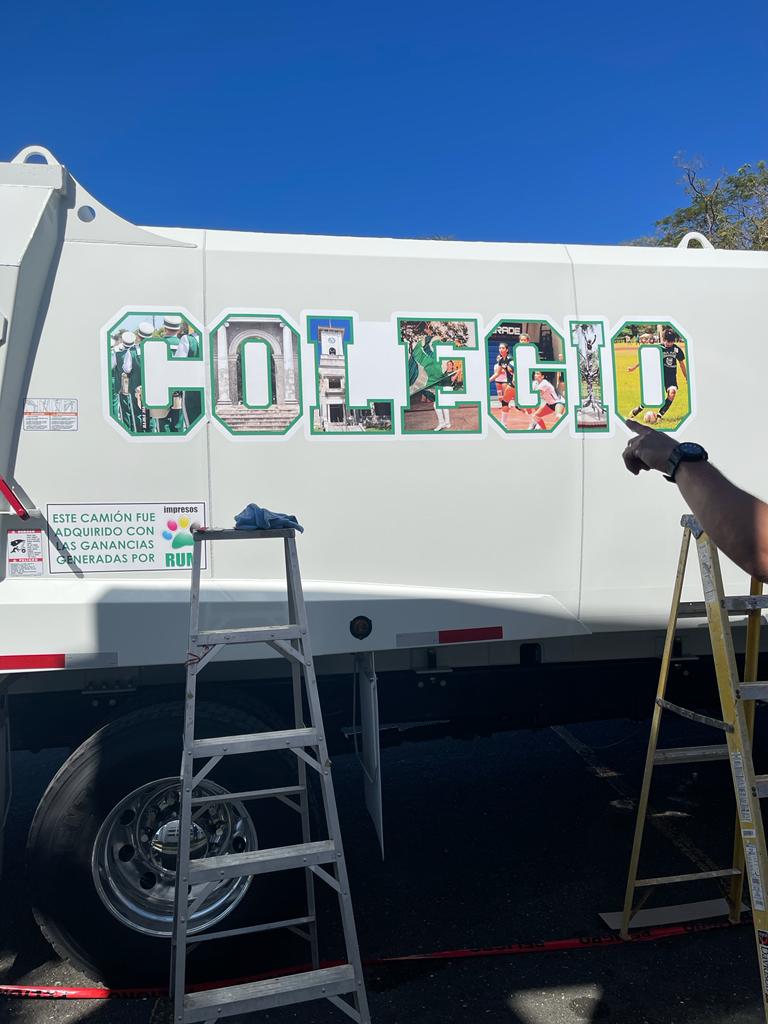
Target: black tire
x,y
140,748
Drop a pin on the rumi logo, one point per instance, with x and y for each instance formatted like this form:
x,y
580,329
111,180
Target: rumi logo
x,y
178,533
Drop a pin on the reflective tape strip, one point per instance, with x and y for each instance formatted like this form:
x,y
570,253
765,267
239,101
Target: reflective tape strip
x,y
450,636
38,662
20,662
465,636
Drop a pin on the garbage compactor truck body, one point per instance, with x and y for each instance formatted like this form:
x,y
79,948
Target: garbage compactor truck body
x,y
444,418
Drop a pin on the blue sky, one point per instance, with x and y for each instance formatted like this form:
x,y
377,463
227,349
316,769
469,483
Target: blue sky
x,y
540,121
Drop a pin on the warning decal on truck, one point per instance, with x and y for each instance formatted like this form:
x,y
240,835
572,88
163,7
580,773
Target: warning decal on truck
x,y
24,555
123,536
50,414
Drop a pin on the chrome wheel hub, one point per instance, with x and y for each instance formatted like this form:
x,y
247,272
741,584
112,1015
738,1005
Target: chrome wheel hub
x,y
134,856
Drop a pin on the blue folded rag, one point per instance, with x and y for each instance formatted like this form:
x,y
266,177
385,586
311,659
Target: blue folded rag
x,y
255,518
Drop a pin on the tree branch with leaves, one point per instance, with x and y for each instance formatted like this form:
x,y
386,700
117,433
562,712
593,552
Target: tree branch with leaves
x,y
731,210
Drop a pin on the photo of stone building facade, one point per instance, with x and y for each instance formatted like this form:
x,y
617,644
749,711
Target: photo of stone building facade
x,y
284,390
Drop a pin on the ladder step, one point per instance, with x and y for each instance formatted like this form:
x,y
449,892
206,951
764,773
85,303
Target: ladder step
x,y
649,918
249,635
265,995
254,742
733,605
695,876
682,755
761,785
694,716
248,794
752,691
262,862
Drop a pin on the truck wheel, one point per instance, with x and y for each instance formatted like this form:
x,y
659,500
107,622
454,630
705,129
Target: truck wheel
x,y
102,848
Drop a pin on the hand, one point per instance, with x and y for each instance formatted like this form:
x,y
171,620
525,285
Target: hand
x,y
649,450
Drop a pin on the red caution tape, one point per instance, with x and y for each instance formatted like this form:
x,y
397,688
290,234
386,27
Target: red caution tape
x,y
514,949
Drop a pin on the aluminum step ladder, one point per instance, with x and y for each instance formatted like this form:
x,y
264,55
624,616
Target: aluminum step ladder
x,y
323,860
737,703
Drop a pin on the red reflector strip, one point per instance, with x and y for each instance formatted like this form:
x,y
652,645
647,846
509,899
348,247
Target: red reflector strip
x,y
15,662
463,636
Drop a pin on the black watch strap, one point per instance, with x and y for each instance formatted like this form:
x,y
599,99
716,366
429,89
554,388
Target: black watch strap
x,y
686,451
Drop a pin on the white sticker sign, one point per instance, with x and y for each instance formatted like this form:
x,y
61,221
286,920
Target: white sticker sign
x,y
50,414
123,536
24,554
752,857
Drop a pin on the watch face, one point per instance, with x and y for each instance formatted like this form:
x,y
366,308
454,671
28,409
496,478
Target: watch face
x,y
690,448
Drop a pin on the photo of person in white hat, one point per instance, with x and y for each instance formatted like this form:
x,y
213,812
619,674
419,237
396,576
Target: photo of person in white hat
x,y
126,378
145,330
126,355
188,347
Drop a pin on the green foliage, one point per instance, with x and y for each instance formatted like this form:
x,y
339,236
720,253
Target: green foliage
x,y
730,210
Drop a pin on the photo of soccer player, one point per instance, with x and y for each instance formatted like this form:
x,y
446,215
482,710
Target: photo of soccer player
x,y
433,376
635,371
126,341
547,383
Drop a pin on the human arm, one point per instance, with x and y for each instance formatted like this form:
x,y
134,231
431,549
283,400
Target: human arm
x,y
736,521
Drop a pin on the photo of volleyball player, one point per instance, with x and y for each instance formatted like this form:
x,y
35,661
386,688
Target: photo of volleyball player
x,y
504,376
504,389
551,402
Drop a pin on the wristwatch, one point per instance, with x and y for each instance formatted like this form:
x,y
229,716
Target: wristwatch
x,y
686,451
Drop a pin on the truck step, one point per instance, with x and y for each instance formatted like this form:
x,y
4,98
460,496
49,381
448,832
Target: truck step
x,y
266,995
254,742
262,862
248,635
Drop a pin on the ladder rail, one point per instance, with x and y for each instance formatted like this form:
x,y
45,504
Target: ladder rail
x,y
737,700
750,818
329,797
292,642
751,657
642,806
186,777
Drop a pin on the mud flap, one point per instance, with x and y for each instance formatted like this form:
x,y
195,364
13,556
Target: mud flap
x,y
5,766
369,755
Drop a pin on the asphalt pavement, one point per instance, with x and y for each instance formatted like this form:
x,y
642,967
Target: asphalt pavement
x,y
517,837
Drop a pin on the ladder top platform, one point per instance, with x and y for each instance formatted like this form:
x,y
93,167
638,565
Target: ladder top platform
x,y
201,533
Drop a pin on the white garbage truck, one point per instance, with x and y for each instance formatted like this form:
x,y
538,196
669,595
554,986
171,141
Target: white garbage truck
x,y
444,418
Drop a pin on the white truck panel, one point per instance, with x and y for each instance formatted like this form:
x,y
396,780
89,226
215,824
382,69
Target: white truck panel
x,y
392,520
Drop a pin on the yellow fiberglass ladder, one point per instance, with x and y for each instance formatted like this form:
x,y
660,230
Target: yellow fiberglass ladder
x,y
322,860
737,704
